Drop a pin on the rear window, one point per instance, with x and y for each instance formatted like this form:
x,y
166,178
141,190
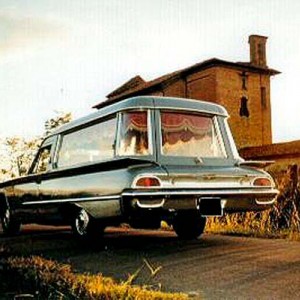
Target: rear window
x,y
191,135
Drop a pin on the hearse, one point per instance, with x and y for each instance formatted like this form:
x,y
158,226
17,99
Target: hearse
x,y
138,161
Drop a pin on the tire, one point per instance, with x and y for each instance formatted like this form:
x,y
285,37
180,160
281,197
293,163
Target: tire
x,y
10,226
85,227
189,225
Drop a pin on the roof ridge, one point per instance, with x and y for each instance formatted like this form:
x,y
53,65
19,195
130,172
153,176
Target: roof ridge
x,y
123,91
130,84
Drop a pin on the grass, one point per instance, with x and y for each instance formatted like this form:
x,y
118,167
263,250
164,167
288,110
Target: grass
x,y
232,225
47,279
281,221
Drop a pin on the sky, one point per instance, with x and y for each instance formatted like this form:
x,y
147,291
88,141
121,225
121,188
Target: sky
x,y
67,55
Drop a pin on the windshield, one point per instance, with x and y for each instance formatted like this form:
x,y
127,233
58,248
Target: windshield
x,y
134,135
191,135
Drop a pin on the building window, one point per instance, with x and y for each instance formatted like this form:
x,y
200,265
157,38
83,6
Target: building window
x,y
263,97
244,112
244,78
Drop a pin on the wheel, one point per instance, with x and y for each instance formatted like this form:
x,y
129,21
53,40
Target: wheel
x,y
189,225
85,227
10,226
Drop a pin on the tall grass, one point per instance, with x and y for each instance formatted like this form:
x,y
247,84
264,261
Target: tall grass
x,y
282,220
47,279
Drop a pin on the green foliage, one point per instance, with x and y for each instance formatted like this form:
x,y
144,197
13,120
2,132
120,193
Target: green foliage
x,y
51,280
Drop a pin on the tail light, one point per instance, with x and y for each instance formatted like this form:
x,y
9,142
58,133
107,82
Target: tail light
x,y
147,182
262,182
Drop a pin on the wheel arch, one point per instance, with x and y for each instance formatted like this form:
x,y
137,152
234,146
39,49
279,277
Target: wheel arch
x,y
68,210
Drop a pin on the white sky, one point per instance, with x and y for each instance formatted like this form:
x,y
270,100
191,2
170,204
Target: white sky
x,y
67,55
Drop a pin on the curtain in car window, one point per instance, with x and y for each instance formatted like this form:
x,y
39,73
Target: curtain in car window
x,y
178,126
135,121
134,134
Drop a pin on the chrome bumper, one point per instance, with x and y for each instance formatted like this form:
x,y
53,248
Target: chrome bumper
x,y
232,200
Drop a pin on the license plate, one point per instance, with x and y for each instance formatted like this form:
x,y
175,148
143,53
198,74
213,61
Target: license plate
x,y
210,207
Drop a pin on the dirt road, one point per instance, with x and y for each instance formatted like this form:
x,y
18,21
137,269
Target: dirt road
x,y
213,267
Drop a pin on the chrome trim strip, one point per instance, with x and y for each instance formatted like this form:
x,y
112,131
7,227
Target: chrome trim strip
x,y
220,136
85,199
56,151
245,192
149,131
207,112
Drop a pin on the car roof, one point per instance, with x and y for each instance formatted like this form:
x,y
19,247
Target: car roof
x,y
145,102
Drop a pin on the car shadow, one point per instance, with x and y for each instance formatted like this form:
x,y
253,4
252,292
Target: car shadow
x,y
59,242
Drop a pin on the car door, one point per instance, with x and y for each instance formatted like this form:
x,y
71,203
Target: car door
x,y
42,166
81,171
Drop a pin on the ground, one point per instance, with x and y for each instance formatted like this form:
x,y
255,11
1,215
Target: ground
x,y
212,267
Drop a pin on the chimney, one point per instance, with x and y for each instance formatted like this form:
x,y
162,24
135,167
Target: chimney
x,y
258,50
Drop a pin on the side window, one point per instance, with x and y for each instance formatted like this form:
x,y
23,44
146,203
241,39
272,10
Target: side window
x,y
134,135
244,111
93,143
43,161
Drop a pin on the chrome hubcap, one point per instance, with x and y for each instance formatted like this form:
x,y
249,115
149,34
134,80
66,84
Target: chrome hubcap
x,y
81,222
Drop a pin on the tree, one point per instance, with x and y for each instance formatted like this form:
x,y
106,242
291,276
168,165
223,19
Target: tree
x,y
17,153
60,119
20,153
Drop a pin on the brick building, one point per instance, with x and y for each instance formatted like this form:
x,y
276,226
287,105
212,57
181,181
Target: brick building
x,y
242,87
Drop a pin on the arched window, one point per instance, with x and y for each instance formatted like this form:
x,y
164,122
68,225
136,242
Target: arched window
x,y
244,112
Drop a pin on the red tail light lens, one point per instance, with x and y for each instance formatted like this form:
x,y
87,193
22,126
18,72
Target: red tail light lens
x,y
147,182
262,182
